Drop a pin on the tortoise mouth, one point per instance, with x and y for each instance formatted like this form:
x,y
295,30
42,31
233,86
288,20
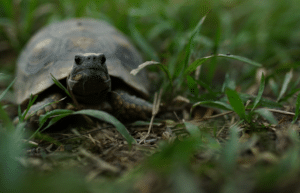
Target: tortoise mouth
x,y
102,92
71,82
89,90
95,98
92,69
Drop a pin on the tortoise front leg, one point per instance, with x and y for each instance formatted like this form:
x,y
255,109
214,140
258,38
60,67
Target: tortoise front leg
x,y
41,107
129,107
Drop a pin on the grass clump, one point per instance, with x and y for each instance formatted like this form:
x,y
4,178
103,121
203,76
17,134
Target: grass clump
x,y
229,73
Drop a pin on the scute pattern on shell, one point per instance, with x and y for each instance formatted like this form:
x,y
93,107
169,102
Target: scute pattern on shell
x,y
53,48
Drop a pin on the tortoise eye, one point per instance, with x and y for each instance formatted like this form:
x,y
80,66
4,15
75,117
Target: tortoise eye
x,y
78,60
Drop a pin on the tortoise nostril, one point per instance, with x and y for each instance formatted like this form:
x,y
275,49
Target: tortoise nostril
x,y
102,58
78,60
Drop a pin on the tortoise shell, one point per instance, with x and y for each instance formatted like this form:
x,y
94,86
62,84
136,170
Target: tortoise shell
x,y
53,48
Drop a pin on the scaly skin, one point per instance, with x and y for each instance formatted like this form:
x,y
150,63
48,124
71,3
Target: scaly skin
x,y
90,84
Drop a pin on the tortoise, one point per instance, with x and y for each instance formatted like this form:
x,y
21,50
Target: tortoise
x,y
90,57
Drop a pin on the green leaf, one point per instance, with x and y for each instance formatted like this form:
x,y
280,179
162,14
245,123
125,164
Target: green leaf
x,y
192,67
103,116
45,117
60,85
297,109
204,85
290,94
31,101
189,46
192,129
54,120
263,101
110,119
6,90
267,115
7,123
212,66
213,104
228,83
287,80
260,91
8,8
46,137
140,40
274,87
230,150
236,103
239,58
192,85
6,22
28,17
200,61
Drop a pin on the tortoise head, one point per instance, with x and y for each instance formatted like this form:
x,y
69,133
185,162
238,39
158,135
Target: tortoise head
x,y
89,80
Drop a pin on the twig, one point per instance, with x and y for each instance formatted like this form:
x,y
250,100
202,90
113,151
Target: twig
x,y
155,110
280,111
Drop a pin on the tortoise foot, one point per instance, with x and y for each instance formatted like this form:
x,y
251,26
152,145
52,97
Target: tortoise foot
x,y
46,105
129,107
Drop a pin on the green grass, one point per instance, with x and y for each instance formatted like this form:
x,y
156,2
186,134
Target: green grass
x,y
209,52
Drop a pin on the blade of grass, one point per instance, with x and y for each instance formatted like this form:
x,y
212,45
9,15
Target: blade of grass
x,y
200,61
230,150
267,115
290,94
213,104
110,119
60,85
228,83
297,110
236,103
191,68
287,80
43,118
6,90
61,113
31,101
190,44
213,63
28,18
8,8
192,85
205,86
263,101
274,87
188,49
6,22
192,129
240,58
139,39
260,91
7,123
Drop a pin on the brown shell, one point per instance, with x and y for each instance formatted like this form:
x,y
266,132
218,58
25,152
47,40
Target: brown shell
x,y
53,48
